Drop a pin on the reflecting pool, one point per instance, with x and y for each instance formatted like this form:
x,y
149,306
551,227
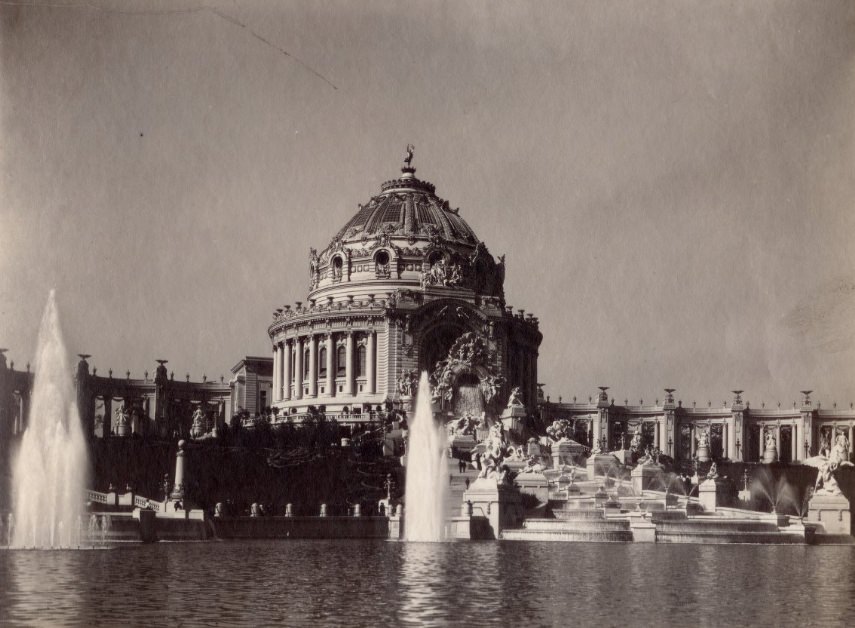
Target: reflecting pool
x,y
362,583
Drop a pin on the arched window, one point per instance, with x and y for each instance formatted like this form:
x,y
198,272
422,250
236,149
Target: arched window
x,y
341,360
306,362
434,257
322,362
381,261
337,265
361,354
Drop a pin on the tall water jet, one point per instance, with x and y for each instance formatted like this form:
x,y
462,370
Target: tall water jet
x,y
50,472
427,472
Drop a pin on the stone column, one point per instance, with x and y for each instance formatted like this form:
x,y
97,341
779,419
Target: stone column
x,y
778,441
730,450
298,366
794,444
330,362
762,441
313,366
369,364
807,425
286,367
724,440
348,375
276,358
692,440
178,484
656,437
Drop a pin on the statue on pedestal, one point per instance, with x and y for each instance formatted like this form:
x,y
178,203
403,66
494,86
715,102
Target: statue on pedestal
x,y
830,459
492,460
515,399
122,421
635,443
198,427
771,443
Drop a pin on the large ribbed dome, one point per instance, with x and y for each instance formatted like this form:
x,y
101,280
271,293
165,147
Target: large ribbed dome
x,y
408,207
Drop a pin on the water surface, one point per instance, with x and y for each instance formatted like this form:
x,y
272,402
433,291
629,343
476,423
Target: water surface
x,y
383,583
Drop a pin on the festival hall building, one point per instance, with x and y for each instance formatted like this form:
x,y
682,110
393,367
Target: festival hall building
x,y
404,286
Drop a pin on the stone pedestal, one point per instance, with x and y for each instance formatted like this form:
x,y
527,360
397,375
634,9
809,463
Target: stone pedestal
x,y
832,511
463,442
180,466
646,477
534,484
499,504
703,453
770,455
643,530
708,491
512,417
567,452
600,464
396,529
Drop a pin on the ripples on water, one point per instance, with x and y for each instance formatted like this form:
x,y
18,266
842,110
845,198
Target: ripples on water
x,y
366,583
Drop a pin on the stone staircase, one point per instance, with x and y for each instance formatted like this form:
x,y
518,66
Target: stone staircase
x,y
579,520
457,486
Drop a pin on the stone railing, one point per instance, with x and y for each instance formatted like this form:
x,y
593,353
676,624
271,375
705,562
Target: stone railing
x,y
145,503
126,499
95,496
297,419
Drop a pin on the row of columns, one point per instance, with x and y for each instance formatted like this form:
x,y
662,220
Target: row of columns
x,y
283,378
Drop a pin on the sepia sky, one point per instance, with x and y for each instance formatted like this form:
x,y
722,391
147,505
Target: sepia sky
x,y
673,182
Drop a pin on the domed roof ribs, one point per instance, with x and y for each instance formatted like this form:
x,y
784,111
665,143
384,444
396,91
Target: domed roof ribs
x,y
409,208
446,224
376,218
423,212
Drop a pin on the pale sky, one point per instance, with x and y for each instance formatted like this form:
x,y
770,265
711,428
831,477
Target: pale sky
x,y
673,182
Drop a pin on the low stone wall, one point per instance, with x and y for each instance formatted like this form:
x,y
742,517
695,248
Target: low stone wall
x,y
299,527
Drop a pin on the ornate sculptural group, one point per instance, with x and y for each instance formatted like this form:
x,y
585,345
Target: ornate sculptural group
x,y
463,426
490,387
560,430
533,465
468,353
493,458
408,383
198,427
650,457
838,456
442,274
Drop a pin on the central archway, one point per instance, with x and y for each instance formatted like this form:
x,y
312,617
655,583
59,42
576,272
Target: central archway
x,y
435,344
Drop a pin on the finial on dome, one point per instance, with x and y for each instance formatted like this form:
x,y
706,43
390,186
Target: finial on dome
x,y
408,160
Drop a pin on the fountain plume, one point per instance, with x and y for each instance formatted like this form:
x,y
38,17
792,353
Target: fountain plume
x,y
50,471
427,472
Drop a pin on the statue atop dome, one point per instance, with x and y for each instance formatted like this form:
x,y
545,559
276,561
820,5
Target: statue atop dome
x,y
408,155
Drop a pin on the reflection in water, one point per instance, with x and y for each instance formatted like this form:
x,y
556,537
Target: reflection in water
x,y
379,583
